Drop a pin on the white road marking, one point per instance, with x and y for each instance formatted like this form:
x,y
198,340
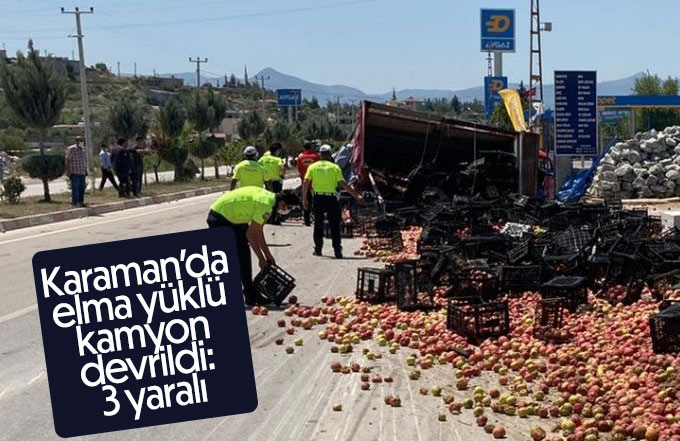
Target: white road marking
x,y
4,391
36,378
18,313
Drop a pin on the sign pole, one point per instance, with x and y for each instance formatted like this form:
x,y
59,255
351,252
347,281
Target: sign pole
x,y
498,64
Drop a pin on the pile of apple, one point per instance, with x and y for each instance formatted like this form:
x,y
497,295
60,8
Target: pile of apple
x,y
603,383
382,251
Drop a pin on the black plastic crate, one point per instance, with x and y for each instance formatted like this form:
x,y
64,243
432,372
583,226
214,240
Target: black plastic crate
x,y
384,226
549,319
561,264
375,285
520,278
471,317
274,283
572,289
665,328
573,240
475,282
412,287
346,230
483,246
519,253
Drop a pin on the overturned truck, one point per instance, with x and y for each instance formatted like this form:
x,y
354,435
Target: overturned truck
x,y
401,153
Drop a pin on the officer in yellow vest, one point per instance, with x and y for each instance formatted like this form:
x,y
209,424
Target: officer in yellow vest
x,y
323,178
248,172
246,210
274,170
274,167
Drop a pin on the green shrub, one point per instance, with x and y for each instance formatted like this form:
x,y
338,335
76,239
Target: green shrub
x,y
48,167
12,187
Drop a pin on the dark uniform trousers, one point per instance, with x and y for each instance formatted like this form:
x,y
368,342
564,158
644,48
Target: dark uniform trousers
x,y
330,206
243,248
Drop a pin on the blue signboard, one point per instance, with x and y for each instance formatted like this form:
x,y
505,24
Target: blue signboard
x,y
491,97
288,97
498,30
639,101
576,113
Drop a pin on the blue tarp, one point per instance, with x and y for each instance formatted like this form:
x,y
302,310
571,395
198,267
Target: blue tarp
x,y
575,187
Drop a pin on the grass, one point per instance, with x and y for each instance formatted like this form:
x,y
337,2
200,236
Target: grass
x,y
62,201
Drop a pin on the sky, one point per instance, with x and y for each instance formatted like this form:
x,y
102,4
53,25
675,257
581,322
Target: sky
x,y
373,45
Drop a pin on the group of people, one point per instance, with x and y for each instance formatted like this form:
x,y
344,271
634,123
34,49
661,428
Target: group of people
x,y
260,198
128,165
126,162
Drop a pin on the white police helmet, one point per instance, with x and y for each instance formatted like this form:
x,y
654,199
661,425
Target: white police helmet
x,y
250,152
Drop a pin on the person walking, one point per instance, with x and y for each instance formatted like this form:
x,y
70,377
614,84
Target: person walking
x,y
121,161
76,170
246,210
304,160
105,166
323,178
274,168
137,165
249,172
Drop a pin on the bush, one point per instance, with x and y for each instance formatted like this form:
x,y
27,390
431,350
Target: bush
x,y
48,167
12,187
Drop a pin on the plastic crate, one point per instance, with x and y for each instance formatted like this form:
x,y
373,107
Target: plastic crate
x,y
274,283
346,230
573,240
572,289
412,286
519,253
483,246
375,285
549,319
475,282
665,328
520,278
471,317
560,265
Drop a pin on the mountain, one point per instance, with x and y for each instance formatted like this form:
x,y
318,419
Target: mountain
x,y
325,93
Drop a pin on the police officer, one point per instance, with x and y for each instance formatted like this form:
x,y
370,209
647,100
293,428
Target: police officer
x,y
274,167
323,177
246,210
248,172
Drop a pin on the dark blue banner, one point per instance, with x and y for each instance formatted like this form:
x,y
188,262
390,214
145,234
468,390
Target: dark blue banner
x,y
576,113
144,332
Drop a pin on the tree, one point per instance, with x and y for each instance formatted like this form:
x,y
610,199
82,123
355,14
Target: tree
x,y
219,111
314,104
251,126
455,105
12,141
233,82
171,127
127,119
281,132
649,84
36,93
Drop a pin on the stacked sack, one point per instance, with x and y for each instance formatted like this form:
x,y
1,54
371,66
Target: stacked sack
x,y
647,166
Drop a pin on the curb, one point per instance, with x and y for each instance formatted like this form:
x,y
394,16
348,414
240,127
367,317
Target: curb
x,y
59,216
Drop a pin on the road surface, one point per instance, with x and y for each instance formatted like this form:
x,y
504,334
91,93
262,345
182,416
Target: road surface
x,y
34,187
295,392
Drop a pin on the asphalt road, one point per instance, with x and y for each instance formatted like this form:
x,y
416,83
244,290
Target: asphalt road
x,y
296,392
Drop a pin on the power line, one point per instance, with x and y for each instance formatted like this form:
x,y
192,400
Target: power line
x,y
222,18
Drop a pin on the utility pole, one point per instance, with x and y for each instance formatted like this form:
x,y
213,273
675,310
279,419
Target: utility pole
x,y
135,69
83,88
198,62
262,78
118,64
